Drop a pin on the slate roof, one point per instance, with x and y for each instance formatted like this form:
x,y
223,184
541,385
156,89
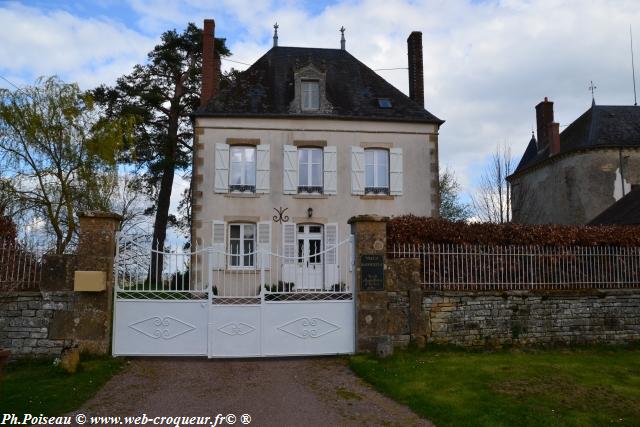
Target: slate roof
x,y
266,89
600,126
625,211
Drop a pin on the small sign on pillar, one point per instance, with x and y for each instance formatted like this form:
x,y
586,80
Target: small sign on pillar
x,y
371,272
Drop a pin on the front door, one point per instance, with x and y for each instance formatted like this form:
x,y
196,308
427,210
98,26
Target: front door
x,y
310,272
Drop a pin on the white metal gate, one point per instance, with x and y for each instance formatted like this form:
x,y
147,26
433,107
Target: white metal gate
x,y
208,302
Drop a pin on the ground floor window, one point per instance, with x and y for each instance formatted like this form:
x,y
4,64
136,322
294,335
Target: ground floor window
x,y
242,245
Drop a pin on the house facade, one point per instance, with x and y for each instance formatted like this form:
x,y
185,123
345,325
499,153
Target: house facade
x,y
300,142
570,177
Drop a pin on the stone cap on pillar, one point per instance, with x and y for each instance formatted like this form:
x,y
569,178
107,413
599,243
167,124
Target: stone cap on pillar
x,y
368,218
100,214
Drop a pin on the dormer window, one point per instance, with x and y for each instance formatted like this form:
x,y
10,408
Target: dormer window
x,y
310,94
310,91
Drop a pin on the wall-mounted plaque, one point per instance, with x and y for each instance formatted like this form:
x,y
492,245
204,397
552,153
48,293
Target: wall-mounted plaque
x,y
371,272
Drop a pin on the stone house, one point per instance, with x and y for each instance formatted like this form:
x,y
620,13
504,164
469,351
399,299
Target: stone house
x,y
300,142
572,176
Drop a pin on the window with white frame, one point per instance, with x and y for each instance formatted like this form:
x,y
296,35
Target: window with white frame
x,y
310,170
376,171
310,94
241,245
242,173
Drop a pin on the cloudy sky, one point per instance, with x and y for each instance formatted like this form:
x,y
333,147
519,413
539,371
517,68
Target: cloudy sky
x,y
487,63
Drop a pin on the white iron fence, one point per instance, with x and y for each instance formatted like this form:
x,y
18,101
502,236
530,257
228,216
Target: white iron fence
x,y
480,267
206,272
20,266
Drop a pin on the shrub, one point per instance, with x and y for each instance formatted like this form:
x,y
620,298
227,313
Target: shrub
x,y
410,229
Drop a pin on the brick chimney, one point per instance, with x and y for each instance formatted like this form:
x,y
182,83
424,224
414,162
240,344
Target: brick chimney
x,y
548,129
416,76
553,136
210,63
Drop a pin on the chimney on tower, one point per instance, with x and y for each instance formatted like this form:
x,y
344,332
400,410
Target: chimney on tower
x,y
416,77
548,130
210,63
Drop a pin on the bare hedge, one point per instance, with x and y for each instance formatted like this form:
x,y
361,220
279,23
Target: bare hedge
x,y
410,229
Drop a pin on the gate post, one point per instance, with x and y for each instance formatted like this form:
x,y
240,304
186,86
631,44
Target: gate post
x,y
89,324
371,297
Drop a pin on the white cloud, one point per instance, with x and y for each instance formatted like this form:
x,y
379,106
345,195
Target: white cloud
x,y
88,51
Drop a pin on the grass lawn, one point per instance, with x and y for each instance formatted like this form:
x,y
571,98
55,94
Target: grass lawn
x,y
36,386
592,386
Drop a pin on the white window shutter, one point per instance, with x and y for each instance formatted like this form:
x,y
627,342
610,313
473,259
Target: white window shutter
x,y
395,171
222,168
331,258
289,252
330,170
263,168
218,245
357,170
290,170
264,244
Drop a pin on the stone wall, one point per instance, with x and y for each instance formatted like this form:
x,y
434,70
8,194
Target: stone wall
x,y
522,318
25,322
402,311
44,322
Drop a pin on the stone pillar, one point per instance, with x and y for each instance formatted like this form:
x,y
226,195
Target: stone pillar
x,y
372,315
88,324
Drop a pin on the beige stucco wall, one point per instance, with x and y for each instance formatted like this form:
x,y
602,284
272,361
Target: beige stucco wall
x,y
420,166
574,188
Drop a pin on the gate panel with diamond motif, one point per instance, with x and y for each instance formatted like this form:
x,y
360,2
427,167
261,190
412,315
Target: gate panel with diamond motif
x,y
199,305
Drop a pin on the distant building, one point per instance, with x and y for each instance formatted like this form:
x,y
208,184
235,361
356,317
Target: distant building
x,y
573,176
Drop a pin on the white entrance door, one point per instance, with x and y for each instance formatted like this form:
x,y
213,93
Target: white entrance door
x,y
310,271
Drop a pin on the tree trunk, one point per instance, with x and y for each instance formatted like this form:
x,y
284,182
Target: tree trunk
x,y
164,201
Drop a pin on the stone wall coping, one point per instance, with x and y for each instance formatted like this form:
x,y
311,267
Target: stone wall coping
x,y
99,214
367,218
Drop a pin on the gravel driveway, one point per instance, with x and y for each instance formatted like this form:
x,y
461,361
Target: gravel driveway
x,y
274,392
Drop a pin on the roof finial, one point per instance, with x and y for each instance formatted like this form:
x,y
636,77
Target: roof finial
x,y
592,88
275,34
342,40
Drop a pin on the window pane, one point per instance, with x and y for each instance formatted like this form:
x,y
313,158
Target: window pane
x,y
303,174
235,231
250,154
248,246
383,168
368,157
249,230
316,156
236,174
300,249
369,176
236,155
316,177
314,229
310,95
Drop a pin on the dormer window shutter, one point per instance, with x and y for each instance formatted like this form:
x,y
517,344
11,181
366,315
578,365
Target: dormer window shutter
x,y
221,162
330,170
290,170
263,171
395,171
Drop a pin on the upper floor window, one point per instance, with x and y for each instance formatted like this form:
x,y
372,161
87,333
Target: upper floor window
x,y
242,245
310,170
376,171
242,173
310,94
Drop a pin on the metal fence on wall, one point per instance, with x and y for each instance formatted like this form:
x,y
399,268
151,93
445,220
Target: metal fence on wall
x,y
20,265
480,267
